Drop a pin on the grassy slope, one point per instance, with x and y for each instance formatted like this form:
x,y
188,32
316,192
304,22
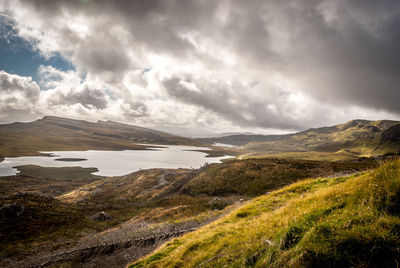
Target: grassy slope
x,y
47,221
248,177
390,141
310,155
338,222
154,196
47,224
345,141
253,177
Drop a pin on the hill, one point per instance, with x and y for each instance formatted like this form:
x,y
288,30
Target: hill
x,y
56,133
349,140
356,138
243,139
145,198
245,178
327,222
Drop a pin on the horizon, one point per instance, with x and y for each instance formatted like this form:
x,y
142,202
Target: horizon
x,y
190,67
223,134
166,133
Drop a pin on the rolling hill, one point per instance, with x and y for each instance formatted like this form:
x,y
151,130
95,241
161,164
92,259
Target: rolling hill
x,y
56,133
155,197
356,138
326,222
243,139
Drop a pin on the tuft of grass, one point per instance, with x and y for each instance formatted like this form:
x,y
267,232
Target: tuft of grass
x,y
158,256
336,222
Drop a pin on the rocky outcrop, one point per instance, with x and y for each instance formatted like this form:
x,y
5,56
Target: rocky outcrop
x,y
13,210
101,216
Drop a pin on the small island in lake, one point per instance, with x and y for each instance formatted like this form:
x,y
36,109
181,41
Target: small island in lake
x,y
70,159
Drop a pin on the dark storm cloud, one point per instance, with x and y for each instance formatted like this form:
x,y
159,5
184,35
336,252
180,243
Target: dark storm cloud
x,y
218,98
153,25
353,60
86,96
343,53
109,57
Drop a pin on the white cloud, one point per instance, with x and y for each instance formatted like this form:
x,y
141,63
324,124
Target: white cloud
x,y
222,65
18,96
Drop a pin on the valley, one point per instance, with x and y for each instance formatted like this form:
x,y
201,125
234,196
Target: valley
x,y
123,162
155,199
199,134
63,134
327,222
65,216
351,140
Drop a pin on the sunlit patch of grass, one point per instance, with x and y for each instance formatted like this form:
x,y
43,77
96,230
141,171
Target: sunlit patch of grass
x,y
340,155
337,222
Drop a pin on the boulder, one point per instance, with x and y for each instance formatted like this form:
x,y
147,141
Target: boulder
x,y
13,210
101,216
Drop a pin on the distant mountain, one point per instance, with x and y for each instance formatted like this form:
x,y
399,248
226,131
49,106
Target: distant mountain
x,y
243,139
196,133
186,132
234,133
355,138
351,139
56,133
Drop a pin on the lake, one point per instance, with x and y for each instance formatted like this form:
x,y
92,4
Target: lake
x,y
115,163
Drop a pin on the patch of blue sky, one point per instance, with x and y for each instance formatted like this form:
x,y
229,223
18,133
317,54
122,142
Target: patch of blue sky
x,y
18,57
110,94
145,70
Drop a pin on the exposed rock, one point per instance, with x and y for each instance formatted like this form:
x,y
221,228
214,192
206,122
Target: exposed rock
x,y
217,203
96,191
101,216
13,210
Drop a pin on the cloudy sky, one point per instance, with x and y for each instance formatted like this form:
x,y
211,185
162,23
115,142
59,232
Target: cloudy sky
x,y
266,66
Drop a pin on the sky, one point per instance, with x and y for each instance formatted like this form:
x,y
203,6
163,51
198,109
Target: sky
x,y
201,66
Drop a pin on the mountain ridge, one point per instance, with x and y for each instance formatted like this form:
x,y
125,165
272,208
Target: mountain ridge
x,y
349,140
52,133
355,138
243,139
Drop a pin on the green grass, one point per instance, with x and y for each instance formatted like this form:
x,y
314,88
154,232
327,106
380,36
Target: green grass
x,y
252,177
338,222
341,155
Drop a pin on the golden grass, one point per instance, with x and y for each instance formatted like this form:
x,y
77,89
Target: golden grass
x,y
333,222
310,155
